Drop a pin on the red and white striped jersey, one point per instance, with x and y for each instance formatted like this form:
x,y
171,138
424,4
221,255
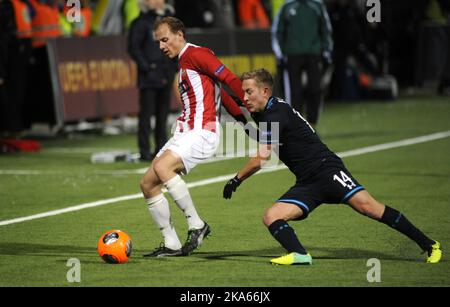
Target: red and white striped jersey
x,y
199,80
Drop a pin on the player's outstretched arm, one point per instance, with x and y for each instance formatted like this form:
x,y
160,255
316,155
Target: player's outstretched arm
x,y
252,166
209,64
232,107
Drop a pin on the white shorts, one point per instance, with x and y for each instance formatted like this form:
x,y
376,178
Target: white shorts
x,y
194,147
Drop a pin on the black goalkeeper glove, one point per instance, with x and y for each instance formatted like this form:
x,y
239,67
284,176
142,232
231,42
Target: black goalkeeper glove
x,y
231,187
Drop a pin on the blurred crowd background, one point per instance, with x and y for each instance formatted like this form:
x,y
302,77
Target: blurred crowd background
x,y
411,43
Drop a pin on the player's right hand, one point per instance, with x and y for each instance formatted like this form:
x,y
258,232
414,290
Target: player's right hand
x,y
231,187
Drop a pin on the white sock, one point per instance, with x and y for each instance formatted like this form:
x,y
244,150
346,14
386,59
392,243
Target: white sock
x,y
158,207
177,188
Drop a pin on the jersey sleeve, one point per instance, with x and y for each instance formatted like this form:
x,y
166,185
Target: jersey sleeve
x,y
209,64
230,105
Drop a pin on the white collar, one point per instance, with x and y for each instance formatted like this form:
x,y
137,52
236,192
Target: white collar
x,y
183,50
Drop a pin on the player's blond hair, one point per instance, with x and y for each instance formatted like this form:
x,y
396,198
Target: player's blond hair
x,y
261,76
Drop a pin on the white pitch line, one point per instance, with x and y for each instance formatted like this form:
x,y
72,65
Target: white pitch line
x,y
401,143
350,153
25,172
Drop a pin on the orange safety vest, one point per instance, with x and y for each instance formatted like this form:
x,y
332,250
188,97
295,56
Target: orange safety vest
x,y
252,15
82,28
45,23
23,19
86,14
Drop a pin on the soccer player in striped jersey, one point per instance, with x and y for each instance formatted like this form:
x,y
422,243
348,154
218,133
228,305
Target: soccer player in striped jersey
x,y
196,136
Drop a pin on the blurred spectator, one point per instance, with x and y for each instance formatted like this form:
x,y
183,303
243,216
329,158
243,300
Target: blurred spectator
x,y
23,20
108,17
275,6
205,13
2,65
438,14
45,21
351,55
81,28
46,26
64,23
7,30
15,57
225,17
156,74
131,11
436,11
401,21
302,40
252,14
113,17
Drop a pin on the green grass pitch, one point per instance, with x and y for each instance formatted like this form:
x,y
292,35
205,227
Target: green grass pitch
x,y
413,179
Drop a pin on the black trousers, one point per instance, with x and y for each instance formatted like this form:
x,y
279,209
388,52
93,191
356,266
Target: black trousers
x,y
39,100
15,86
311,96
153,101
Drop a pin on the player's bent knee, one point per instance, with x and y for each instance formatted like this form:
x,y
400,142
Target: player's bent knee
x,y
281,212
269,217
149,181
164,170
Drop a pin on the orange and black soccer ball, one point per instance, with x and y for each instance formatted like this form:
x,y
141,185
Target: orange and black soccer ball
x,y
114,247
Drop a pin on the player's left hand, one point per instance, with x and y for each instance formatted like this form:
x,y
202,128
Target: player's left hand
x,y
231,187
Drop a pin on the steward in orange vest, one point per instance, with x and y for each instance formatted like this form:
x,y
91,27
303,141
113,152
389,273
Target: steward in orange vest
x,y
17,53
23,20
82,28
252,15
45,23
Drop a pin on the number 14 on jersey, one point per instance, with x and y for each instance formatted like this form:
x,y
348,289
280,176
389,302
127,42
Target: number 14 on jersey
x,y
344,180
